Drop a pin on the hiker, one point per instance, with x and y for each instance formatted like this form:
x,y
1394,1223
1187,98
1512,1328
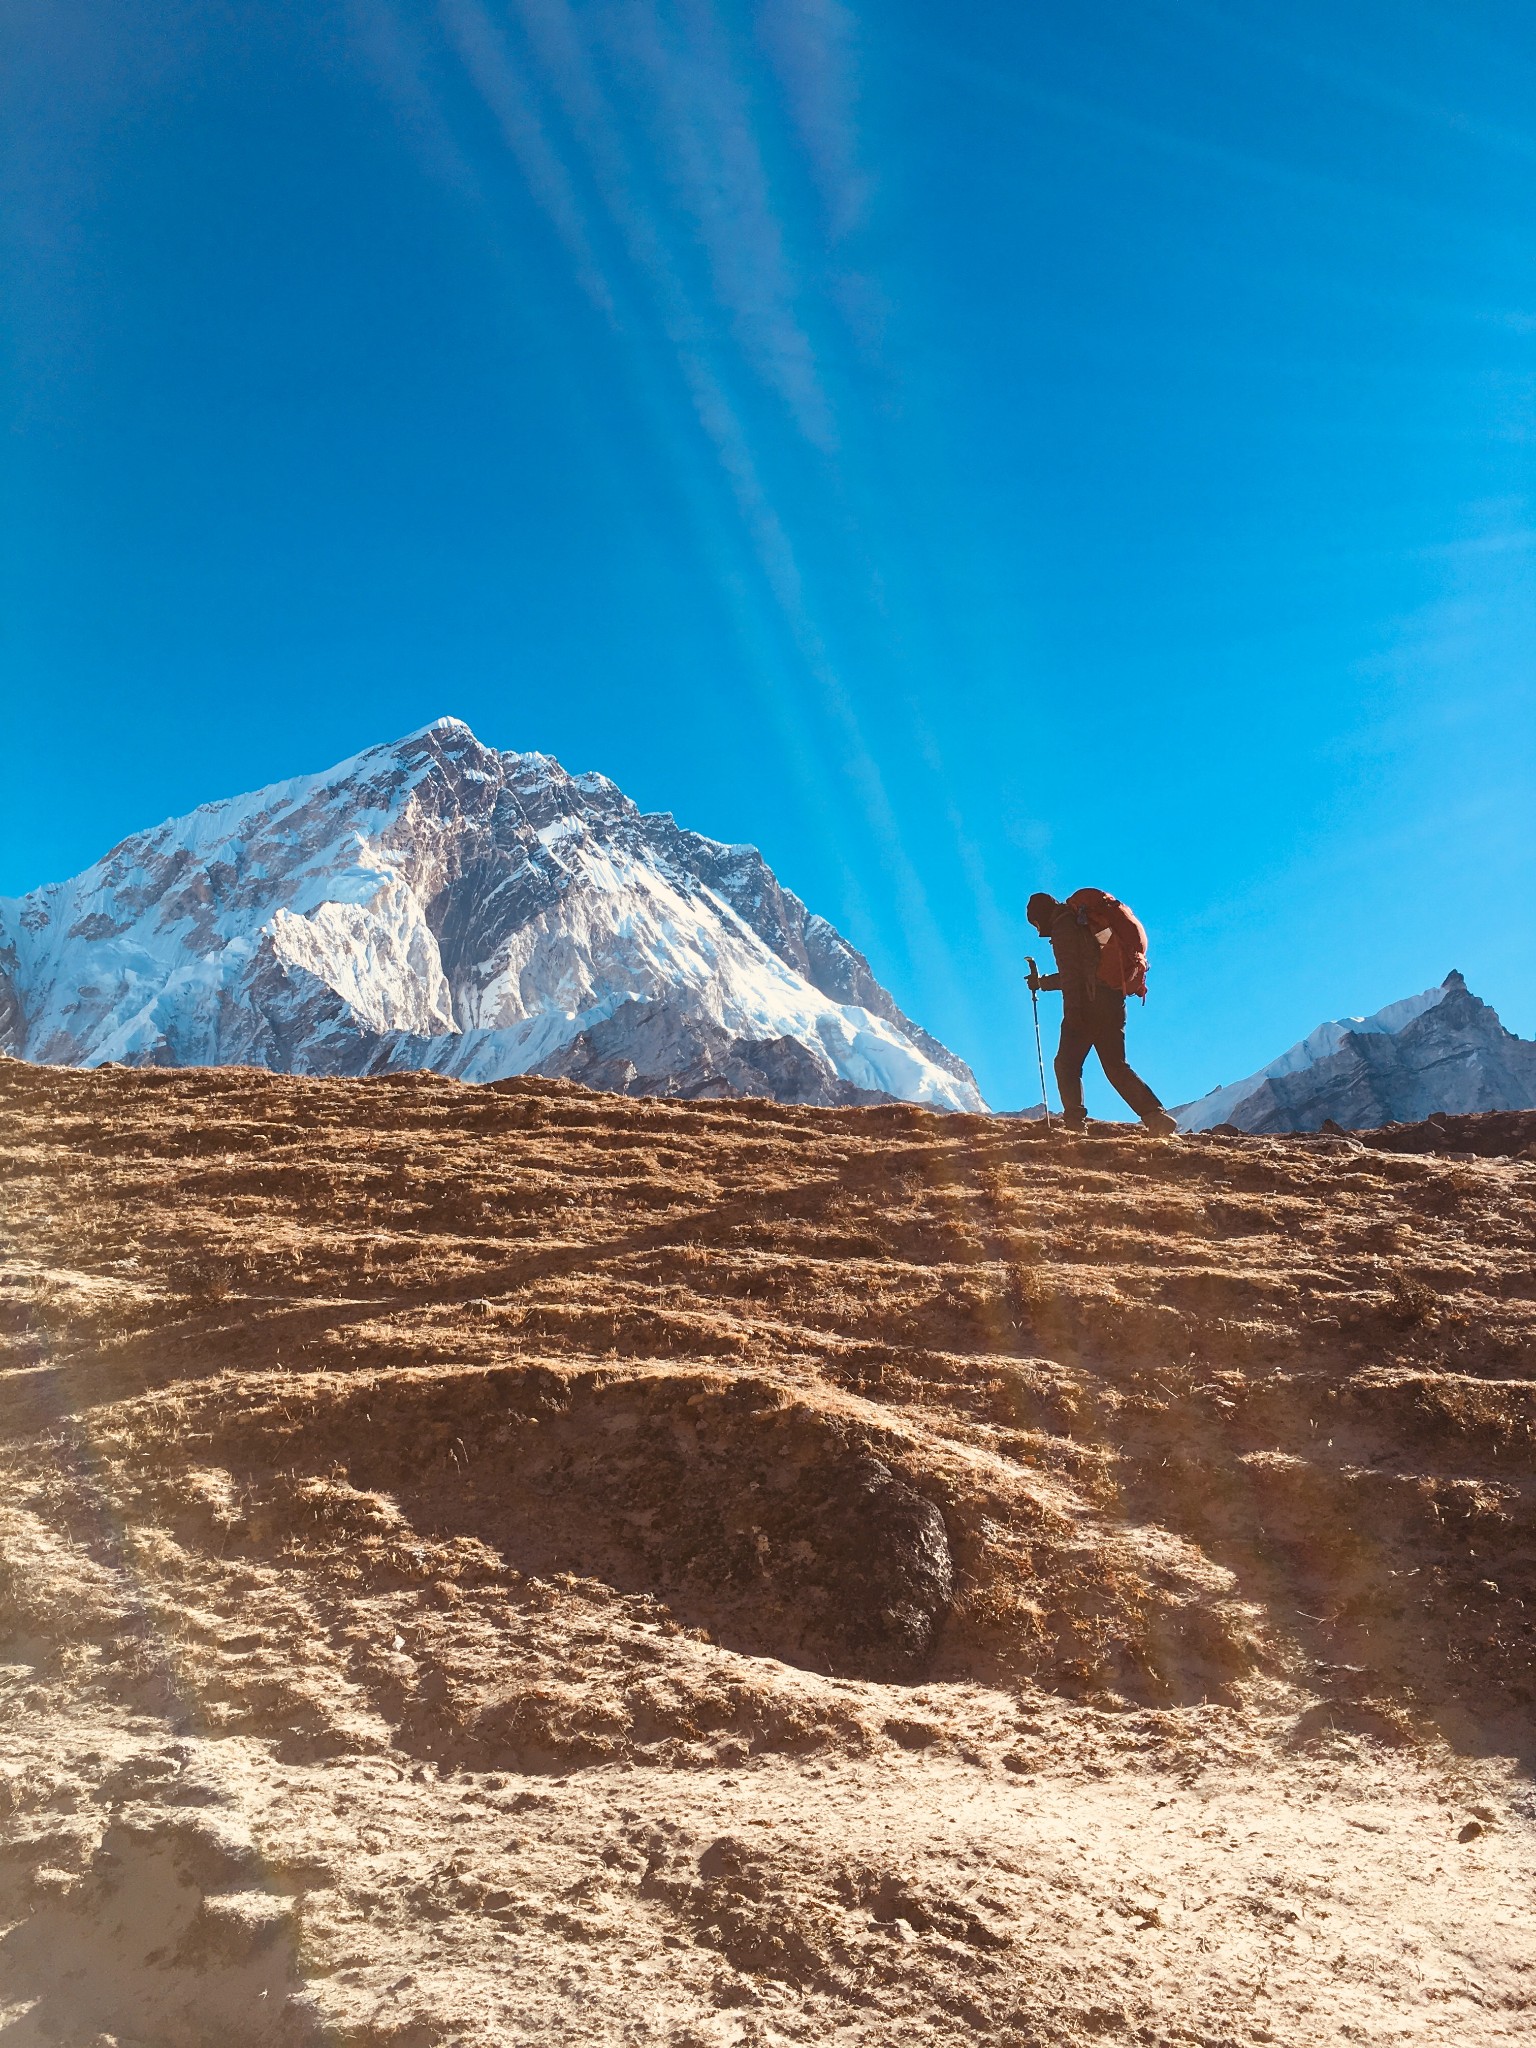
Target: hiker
x,y
1101,958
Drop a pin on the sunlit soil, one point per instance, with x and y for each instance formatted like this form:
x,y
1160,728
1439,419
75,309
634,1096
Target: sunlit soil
x,y
515,1565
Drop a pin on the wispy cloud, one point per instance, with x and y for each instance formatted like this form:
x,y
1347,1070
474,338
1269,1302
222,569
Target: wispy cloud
x,y
702,125
395,53
646,132
810,44
506,93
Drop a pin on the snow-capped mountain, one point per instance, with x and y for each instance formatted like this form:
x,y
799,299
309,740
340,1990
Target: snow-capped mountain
x,y
437,904
1443,1050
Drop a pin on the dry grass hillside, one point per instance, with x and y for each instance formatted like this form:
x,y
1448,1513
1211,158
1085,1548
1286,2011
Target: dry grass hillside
x,y
513,1565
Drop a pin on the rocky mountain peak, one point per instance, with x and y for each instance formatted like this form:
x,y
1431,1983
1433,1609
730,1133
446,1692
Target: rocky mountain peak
x,y
433,902
1444,1051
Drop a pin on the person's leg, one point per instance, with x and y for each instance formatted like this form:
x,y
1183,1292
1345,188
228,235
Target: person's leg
x,y
1109,1043
1073,1049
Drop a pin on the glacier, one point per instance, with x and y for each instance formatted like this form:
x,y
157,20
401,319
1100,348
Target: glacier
x,y
435,904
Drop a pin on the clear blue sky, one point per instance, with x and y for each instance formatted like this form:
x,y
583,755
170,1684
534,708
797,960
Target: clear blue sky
x,y
961,450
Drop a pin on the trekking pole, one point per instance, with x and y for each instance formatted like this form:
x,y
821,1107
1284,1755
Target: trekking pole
x,y
1034,1004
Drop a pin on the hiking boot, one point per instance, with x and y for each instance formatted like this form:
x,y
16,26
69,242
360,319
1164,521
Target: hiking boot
x,y
1160,1123
1074,1120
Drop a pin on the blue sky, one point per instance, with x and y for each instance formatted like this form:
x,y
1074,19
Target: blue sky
x,y
961,451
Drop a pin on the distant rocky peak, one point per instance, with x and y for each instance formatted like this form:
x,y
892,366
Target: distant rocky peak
x,y
1444,1051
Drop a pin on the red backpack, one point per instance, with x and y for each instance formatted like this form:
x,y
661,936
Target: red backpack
x,y
1122,939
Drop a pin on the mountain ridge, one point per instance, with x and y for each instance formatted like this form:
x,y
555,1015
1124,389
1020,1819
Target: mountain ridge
x,y
1443,1051
432,902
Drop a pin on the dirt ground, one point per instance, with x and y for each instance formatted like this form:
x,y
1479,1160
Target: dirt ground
x,y
514,1565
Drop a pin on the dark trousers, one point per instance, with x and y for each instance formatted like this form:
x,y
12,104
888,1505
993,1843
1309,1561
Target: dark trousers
x,y
1098,1026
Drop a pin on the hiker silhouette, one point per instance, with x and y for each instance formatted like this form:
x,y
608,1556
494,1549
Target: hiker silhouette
x,y
1101,958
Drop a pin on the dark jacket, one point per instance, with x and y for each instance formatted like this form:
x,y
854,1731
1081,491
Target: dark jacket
x,y
1077,961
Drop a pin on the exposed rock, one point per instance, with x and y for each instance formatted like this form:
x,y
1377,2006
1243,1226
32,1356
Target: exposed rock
x,y
670,1049
1493,1134
437,904
1440,1052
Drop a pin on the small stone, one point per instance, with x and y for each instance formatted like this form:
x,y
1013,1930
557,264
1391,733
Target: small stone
x,y
1471,1831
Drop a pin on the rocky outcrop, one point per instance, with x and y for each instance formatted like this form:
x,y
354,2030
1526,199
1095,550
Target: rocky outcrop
x,y
437,904
1486,1134
1443,1052
665,1049
11,1022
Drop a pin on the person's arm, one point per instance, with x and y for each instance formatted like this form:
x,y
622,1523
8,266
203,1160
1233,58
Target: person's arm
x,y
1040,981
